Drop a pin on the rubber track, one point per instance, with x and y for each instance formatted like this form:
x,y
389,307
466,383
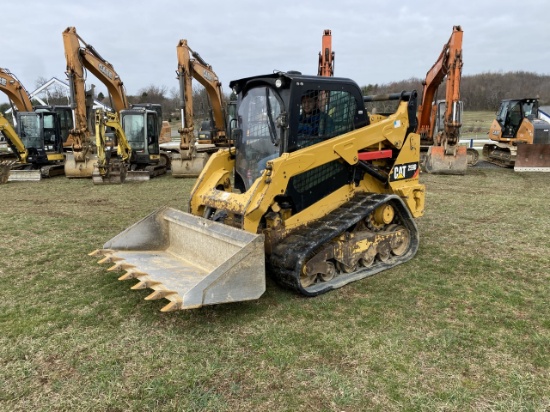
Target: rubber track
x,y
289,255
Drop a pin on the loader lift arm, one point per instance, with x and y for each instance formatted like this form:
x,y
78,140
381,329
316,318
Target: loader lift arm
x,y
444,155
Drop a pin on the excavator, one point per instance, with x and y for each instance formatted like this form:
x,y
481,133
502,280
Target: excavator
x,y
193,154
36,143
140,124
521,137
439,122
317,197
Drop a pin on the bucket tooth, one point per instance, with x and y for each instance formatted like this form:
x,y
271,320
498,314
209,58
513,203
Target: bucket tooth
x,y
132,274
98,252
144,284
160,294
174,305
120,265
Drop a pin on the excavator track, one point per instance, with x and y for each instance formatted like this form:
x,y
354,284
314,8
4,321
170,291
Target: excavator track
x,y
323,256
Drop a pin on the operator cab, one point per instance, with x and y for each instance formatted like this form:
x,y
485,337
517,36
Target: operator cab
x,y
141,129
511,114
284,112
40,133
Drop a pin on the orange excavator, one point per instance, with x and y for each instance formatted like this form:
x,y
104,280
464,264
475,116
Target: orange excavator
x,y
194,153
140,126
439,122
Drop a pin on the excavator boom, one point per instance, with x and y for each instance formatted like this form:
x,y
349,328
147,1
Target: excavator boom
x,y
193,155
18,95
326,56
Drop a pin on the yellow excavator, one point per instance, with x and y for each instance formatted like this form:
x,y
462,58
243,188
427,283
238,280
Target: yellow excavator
x,y
36,142
37,145
310,189
521,137
140,124
194,153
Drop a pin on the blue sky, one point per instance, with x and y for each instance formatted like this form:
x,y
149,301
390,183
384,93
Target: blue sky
x,y
375,42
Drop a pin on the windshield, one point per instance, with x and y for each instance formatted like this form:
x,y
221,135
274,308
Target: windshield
x,y
257,116
134,129
29,131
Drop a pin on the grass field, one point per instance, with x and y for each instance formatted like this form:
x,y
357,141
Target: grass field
x,y
476,124
464,326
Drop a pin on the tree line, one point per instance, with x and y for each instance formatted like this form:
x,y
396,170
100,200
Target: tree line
x,y
480,91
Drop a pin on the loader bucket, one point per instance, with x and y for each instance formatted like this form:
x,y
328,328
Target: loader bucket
x,y
437,162
79,169
533,158
188,260
188,167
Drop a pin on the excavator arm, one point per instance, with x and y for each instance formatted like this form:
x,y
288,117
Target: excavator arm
x,y
18,95
80,57
14,140
326,56
449,64
192,66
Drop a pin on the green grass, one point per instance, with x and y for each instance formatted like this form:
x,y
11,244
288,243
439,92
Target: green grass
x,y
476,124
464,326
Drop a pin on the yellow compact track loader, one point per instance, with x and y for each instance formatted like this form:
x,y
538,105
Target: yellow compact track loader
x,y
311,193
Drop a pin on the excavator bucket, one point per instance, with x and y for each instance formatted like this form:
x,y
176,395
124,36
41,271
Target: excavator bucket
x,y
165,132
532,158
188,260
188,167
4,171
438,162
79,169
115,174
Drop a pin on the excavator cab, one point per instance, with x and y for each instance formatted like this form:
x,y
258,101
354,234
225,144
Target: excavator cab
x,y
65,116
141,128
41,134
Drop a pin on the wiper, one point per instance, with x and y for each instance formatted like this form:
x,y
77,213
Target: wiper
x,y
270,122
